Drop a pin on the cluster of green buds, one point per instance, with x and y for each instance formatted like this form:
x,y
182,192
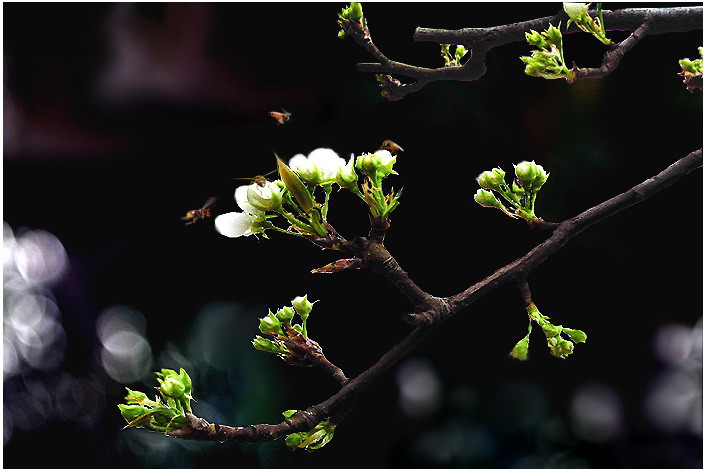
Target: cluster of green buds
x,y
520,196
692,71
289,342
559,346
352,21
547,60
161,414
318,437
578,14
452,59
376,167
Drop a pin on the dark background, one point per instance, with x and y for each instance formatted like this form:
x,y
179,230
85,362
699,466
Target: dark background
x,y
121,117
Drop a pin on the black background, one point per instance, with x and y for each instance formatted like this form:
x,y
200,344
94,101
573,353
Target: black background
x,y
110,173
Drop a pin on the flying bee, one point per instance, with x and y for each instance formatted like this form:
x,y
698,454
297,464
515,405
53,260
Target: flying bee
x,y
391,146
260,180
201,213
281,116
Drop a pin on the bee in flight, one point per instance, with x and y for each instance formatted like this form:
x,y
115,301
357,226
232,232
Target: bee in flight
x,y
260,180
391,146
280,116
201,213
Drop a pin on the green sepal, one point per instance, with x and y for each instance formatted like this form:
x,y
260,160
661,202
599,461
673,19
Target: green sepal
x,y
296,187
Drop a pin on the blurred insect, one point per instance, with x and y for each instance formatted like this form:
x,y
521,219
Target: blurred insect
x,y
281,117
260,180
391,146
201,213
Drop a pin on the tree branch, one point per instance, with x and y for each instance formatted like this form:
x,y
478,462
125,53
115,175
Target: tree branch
x,y
441,310
482,40
614,56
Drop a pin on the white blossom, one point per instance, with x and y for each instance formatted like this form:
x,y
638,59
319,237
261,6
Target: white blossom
x,y
320,167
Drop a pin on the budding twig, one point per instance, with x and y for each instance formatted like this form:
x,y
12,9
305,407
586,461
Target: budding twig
x,y
482,40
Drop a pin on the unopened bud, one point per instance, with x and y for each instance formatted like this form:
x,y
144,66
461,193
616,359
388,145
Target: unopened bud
x,y
302,306
487,199
491,179
526,172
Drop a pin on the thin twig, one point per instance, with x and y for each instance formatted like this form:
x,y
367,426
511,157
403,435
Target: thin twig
x,y
614,56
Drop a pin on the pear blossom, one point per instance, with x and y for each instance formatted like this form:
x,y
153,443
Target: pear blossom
x,y
377,164
346,176
245,223
264,197
320,167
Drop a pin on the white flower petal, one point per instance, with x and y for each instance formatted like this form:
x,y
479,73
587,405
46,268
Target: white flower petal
x,y
241,199
234,224
328,161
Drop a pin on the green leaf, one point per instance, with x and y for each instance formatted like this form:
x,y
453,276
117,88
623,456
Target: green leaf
x,y
576,335
521,349
289,413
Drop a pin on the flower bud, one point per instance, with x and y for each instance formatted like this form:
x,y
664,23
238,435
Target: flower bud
x,y
540,179
132,412
302,306
172,387
347,177
270,325
267,345
265,197
355,11
376,165
526,172
487,199
491,179
575,11
285,314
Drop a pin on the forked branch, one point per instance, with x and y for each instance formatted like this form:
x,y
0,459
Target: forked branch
x,y
437,310
482,40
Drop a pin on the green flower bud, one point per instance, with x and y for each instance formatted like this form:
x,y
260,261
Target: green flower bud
x,y
521,349
134,396
172,387
550,330
132,412
377,165
491,179
487,199
540,179
575,11
270,325
295,440
347,177
560,347
526,172
285,314
355,11
267,345
302,306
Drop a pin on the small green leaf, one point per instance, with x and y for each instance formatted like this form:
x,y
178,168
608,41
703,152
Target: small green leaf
x,y
576,335
289,413
521,349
